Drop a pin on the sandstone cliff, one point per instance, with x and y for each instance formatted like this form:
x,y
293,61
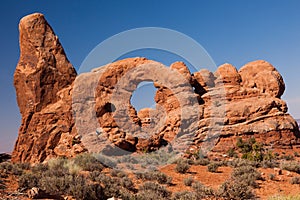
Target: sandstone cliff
x,y
62,116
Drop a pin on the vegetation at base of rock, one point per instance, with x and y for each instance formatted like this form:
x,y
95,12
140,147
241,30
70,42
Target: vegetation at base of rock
x,y
252,150
231,153
84,177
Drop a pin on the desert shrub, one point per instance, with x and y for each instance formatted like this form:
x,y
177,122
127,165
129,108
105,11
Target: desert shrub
x,y
235,190
231,153
268,156
148,195
88,162
94,175
24,166
295,180
253,150
39,168
6,166
10,168
117,173
271,177
79,188
154,176
213,167
182,166
291,166
188,181
254,156
242,162
185,195
287,157
28,181
269,164
127,183
202,162
57,178
246,175
75,185
116,187
154,189
202,191
245,146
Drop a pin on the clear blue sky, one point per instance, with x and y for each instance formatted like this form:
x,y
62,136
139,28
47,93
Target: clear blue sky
x,y
231,31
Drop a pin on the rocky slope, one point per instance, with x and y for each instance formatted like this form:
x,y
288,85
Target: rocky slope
x,y
63,115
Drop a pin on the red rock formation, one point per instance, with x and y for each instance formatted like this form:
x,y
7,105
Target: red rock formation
x,y
43,81
252,107
63,116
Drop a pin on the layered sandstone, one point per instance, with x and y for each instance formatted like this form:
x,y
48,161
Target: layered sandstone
x,y
64,114
43,81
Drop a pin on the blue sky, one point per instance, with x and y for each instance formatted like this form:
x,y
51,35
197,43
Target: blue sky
x,y
231,31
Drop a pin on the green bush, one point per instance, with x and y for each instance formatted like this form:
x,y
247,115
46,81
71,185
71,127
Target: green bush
x,y
242,162
28,181
117,173
231,153
88,162
246,175
155,176
292,166
127,183
11,168
254,151
213,167
185,195
202,191
202,162
188,181
235,191
182,166
295,180
154,189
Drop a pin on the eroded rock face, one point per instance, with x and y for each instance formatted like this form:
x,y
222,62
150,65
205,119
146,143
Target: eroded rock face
x,y
43,81
250,101
64,116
